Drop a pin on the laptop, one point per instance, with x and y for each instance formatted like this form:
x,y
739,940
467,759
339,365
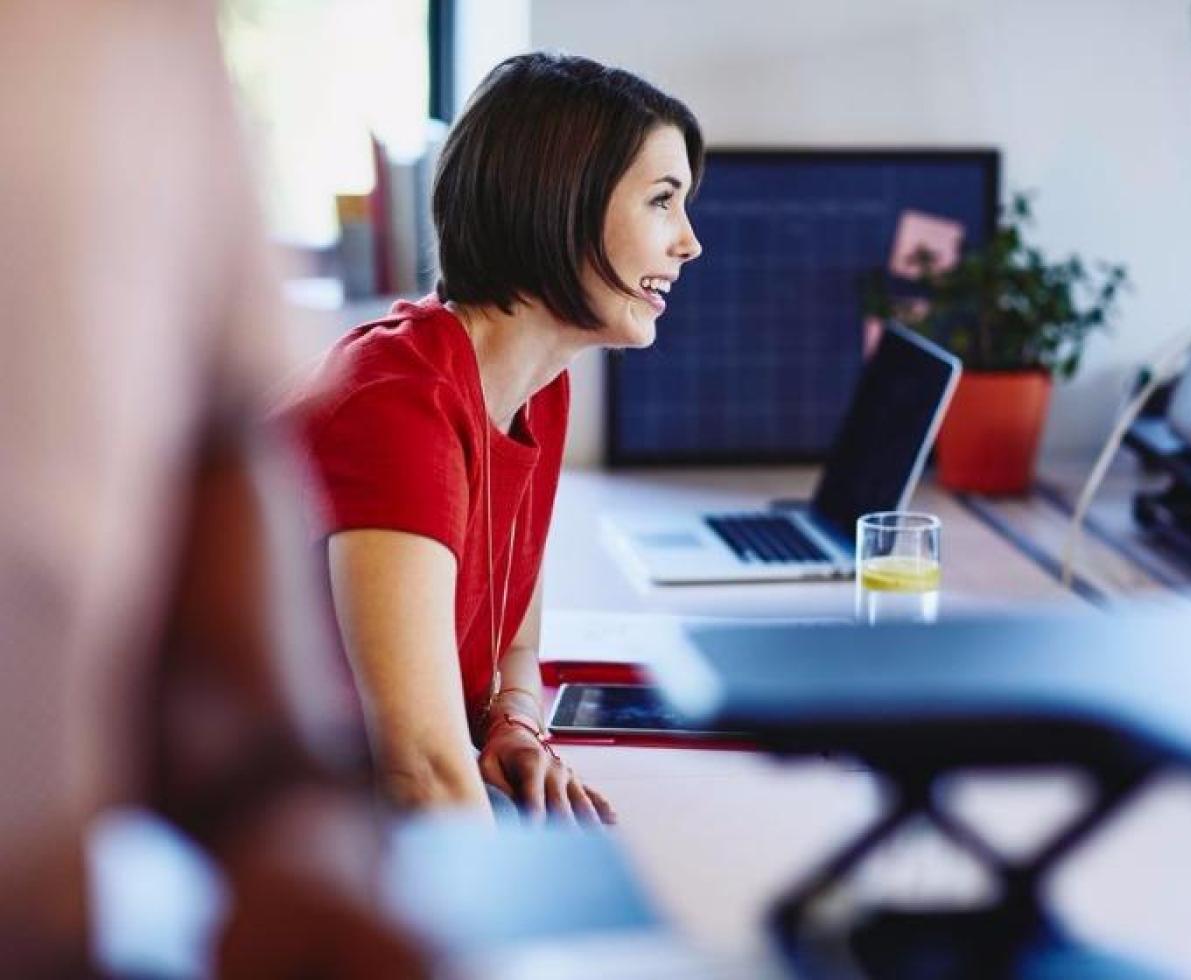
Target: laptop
x,y
874,464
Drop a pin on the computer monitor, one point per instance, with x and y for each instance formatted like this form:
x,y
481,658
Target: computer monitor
x,y
762,341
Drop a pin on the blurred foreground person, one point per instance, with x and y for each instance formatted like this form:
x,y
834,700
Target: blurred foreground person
x,y
140,657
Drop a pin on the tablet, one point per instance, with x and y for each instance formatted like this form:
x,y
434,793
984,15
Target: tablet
x,y
618,709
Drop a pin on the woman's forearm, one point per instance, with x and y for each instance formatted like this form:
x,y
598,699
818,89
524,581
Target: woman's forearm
x,y
430,788
521,682
423,762
430,776
394,602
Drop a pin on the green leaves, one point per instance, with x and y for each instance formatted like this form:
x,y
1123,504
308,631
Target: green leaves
x,y
1004,306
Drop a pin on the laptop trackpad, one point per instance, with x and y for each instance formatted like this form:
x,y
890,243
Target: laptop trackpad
x,y
668,540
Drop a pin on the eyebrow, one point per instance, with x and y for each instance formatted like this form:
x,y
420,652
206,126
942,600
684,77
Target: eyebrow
x,y
671,180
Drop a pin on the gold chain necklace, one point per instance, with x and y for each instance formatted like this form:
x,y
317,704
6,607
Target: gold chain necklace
x,y
496,627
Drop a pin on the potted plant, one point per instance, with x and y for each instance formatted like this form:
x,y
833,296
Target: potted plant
x,y
1018,321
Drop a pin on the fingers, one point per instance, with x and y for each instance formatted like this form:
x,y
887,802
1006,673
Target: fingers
x,y
602,806
584,809
558,800
545,786
531,784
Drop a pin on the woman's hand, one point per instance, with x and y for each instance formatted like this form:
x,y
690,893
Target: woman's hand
x,y
516,761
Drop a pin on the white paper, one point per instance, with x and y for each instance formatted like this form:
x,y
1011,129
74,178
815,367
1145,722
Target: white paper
x,y
633,638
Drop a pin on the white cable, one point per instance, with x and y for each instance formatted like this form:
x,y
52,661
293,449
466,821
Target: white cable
x,y
1163,369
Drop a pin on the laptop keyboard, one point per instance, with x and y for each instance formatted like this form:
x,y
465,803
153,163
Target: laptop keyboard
x,y
763,538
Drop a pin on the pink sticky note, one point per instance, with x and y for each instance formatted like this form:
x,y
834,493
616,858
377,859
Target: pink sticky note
x,y
916,230
871,335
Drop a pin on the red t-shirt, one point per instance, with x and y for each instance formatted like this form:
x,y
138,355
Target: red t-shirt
x,y
397,437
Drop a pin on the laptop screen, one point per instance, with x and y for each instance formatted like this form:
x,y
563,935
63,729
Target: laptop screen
x,y
887,431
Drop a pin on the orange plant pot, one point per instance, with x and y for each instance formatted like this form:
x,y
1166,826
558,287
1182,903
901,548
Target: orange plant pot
x,y
989,439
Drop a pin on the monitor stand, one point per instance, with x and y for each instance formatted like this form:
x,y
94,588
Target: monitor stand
x,y
1013,936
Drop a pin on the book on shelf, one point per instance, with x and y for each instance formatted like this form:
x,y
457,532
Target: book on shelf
x,y
357,245
379,204
401,209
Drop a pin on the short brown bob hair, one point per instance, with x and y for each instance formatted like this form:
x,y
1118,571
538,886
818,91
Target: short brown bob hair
x,y
526,174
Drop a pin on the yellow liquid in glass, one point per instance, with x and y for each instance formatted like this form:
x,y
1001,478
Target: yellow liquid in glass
x,y
893,573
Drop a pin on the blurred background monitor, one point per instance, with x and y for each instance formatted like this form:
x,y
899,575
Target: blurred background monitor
x,y
762,340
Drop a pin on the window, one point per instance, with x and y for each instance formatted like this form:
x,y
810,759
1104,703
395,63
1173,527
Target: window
x,y
315,77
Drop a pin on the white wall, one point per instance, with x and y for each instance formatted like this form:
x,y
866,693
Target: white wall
x,y
1089,100
487,32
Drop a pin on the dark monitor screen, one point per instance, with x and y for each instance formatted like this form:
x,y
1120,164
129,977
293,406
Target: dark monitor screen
x,y
761,345
882,443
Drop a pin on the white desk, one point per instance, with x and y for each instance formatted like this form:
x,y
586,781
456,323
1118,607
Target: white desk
x,y
981,570
717,835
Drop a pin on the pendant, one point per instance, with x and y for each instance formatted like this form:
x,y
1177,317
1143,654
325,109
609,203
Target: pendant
x,y
493,691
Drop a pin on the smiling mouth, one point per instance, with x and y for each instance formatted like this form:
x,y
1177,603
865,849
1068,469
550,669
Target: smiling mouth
x,y
654,289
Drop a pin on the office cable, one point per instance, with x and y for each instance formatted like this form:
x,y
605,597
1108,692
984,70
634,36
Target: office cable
x,y
1164,367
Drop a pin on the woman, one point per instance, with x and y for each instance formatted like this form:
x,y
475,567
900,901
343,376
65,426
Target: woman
x,y
559,204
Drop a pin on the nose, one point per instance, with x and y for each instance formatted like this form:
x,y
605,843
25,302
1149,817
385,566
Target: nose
x,y
687,246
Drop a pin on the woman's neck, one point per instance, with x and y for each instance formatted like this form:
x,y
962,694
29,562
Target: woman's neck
x,y
518,354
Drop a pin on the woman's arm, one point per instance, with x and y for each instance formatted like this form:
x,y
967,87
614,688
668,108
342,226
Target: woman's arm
x,y
520,675
513,759
395,602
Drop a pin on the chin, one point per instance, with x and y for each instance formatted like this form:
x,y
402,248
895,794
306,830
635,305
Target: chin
x,y
643,337
628,327
637,332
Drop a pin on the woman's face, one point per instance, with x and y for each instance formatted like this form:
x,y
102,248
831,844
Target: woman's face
x,y
647,237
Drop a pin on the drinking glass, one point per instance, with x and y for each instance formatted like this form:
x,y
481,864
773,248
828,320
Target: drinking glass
x,y
897,567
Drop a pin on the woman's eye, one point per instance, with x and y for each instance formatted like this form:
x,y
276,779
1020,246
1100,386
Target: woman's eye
x,y
662,201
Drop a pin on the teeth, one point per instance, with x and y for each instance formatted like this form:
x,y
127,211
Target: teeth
x,y
655,285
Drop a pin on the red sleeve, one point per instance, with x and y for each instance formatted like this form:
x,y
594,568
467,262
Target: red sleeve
x,y
393,455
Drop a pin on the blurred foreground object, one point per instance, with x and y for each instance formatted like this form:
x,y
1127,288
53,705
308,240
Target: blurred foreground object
x,y
141,616
1103,698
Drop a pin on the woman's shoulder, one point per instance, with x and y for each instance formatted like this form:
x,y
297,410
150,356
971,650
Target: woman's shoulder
x,y
412,354
417,341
